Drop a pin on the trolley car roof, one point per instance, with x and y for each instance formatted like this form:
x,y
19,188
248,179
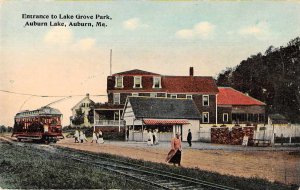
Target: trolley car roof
x,y
42,111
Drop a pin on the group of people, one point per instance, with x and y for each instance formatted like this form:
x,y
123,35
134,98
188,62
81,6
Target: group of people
x,y
152,137
80,137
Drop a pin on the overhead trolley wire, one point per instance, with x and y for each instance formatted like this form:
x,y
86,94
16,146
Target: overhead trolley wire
x,y
46,96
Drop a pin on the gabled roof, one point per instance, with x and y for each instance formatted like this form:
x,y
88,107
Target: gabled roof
x,y
135,72
189,84
163,108
86,97
230,96
278,119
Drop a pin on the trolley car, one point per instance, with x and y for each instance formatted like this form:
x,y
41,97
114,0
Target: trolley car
x,y
42,125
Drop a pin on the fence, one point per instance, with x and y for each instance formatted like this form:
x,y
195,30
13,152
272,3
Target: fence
x,y
279,133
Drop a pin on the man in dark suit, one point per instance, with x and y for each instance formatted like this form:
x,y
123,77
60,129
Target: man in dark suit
x,y
189,138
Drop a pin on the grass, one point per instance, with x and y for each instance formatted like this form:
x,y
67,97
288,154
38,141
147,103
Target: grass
x,y
227,180
30,168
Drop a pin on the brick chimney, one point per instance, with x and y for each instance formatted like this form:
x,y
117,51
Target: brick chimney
x,y
191,71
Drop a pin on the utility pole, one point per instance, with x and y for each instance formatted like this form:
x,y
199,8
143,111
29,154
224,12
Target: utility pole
x,y
110,62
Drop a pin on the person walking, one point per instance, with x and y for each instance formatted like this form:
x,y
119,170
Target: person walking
x,y
82,137
155,138
100,137
95,138
174,155
76,136
150,138
127,134
189,138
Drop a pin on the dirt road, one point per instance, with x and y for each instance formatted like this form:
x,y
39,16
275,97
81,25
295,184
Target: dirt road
x,y
270,165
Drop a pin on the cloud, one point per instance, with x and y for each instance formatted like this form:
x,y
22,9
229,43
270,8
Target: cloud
x,y
85,44
58,36
133,24
260,30
63,37
202,30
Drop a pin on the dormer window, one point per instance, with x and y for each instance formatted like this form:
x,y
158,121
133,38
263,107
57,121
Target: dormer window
x,y
156,82
137,82
119,82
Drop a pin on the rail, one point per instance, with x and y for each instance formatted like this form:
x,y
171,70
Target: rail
x,y
109,122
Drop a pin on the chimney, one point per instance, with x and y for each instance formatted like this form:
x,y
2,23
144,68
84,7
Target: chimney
x,y
191,71
88,95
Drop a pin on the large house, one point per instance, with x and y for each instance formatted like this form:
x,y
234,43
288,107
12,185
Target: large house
x,y
235,107
214,105
84,106
201,89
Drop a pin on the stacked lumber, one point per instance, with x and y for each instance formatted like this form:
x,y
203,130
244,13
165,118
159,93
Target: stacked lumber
x,y
220,135
236,135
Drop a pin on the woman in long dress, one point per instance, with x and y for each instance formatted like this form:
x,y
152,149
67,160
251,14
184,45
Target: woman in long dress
x,y
174,156
100,137
150,138
76,136
95,138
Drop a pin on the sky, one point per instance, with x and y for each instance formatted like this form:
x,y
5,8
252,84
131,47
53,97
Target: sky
x,y
165,37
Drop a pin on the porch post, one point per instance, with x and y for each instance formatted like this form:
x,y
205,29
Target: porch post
x,y
119,120
142,130
216,109
133,129
94,119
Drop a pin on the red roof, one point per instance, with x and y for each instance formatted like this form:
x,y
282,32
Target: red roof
x,y
135,72
170,84
189,84
230,96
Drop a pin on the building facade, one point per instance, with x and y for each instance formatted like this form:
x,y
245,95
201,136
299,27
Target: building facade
x,y
235,107
202,90
85,107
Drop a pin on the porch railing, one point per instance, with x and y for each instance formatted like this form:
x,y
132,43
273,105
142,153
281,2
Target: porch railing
x,y
109,122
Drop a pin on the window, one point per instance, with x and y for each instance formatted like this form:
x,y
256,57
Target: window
x,y
189,96
153,95
116,98
225,117
205,100
137,82
174,96
119,82
205,117
156,82
135,94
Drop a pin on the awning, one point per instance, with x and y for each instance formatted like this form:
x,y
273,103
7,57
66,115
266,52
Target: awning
x,y
165,121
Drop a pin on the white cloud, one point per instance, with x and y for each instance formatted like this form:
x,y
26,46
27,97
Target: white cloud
x,y
85,44
202,30
260,30
63,37
134,23
58,36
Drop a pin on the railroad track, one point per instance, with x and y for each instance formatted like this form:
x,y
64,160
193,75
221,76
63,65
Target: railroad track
x,y
158,178
155,178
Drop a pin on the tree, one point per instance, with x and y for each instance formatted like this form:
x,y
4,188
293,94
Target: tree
x,y
79,117
273,78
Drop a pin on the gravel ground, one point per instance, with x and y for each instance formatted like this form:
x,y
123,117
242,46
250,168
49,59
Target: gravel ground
x,y
271,163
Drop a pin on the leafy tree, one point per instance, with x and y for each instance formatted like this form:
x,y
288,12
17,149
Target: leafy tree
x,y
79,117
272,77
